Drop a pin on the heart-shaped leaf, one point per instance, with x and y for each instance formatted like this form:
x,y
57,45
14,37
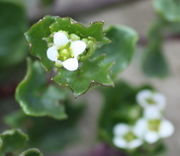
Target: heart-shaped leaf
x,y
92,72
37,97
120,50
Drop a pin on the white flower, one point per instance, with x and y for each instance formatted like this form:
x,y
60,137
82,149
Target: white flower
x,y
153,129
65,52
125,137
147,98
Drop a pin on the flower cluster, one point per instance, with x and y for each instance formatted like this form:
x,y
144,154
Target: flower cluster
x,y
66,49
149,128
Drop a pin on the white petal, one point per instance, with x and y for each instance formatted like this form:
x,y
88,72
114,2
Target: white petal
x,y
160,100
120,142
60,39
166,129
142,96
140,127
151,137
71,64
78,47
52,53
134,144
120,129
152,112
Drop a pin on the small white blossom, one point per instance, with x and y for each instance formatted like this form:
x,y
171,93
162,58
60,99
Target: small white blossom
x,y
125,137
69,50
147,98
153,129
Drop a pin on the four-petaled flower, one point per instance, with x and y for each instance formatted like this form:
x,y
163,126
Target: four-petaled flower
x,y
66,49
125,137
148,98
153,129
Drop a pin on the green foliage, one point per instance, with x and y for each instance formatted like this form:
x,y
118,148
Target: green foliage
x,y
92,72
31,152
37,97
46,133
35,37
154,62
12,27
11,141
120,50
39,32
168,9
94,30
39,94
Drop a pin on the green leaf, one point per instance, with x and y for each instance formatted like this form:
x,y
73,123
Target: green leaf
x,y
35,37
31,152
168,9
120,50
12,140
37,97
53,136
39,32
12,26
92,72
94,30
154,63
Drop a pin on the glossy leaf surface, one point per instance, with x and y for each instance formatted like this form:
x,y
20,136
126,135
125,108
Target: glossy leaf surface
x,y
121,49
37,97
92,72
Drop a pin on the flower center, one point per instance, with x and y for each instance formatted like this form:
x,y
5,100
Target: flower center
x,y
154,125
65,52
151,101
129,136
